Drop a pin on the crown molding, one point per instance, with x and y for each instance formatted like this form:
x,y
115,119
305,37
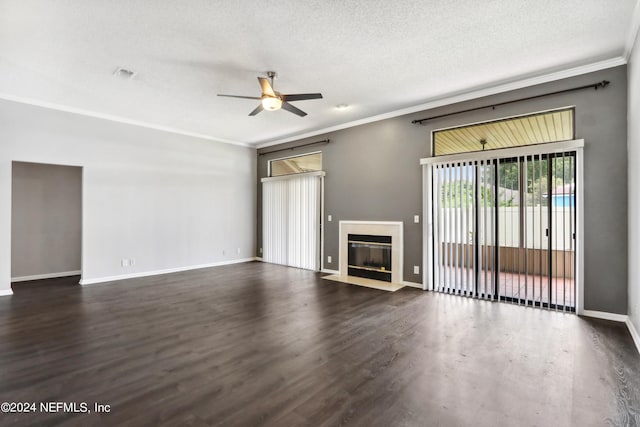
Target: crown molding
x,y
117,119
498,87
632,35
460,97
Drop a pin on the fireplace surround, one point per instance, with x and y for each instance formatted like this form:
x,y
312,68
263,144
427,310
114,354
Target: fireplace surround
x,y
371,250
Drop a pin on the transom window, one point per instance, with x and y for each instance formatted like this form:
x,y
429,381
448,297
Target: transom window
x,y
296,164
538,128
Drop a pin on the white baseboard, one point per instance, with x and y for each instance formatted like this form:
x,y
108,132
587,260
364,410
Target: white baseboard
x,y
605,315
6,292
413,284
326,270
45,276
634,333
259,258
166,271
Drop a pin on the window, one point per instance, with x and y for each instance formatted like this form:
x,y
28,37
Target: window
x,y
538,128
297,164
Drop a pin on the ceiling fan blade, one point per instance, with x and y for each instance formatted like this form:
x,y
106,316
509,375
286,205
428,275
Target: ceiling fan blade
x,y
238,96
257,110
266,86
292,109
301,96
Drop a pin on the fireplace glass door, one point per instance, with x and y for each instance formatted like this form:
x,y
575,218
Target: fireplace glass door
x,y
370,257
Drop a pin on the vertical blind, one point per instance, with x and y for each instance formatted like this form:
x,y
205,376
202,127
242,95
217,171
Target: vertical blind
x,y
291,220
504,228
275,211
464,262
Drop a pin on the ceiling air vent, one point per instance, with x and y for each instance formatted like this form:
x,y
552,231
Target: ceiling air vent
x,y
124,73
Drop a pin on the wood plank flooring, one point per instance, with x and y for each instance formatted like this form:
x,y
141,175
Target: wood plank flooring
x,y
263,345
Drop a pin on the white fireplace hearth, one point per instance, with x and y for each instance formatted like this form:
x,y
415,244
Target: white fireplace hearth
x,y
371,254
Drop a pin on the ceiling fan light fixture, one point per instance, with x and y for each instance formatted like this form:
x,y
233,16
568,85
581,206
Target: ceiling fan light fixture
x,y
271,103
272,100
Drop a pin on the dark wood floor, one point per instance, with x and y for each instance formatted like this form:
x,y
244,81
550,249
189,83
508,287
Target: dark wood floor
x,y
258,344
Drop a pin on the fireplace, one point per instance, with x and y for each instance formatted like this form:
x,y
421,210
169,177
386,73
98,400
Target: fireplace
x,y
369,256
371,252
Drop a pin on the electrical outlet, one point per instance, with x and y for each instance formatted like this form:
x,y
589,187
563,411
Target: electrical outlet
x,y
132,261
238,251
261,250
224,252
124,262
416,219
416,269
329,259
329,218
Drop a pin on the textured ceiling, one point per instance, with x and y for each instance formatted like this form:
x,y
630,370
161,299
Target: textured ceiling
x,y
376,56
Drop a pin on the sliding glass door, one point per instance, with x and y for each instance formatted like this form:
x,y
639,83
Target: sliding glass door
x,y
504,228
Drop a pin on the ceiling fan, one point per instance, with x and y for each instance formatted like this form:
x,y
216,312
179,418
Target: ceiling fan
x,y
272,100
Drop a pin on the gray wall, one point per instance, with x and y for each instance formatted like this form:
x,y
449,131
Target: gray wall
x,y
46,207
634,191
373,173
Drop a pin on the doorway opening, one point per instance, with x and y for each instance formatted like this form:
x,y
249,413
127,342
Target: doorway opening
x,y
46,221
